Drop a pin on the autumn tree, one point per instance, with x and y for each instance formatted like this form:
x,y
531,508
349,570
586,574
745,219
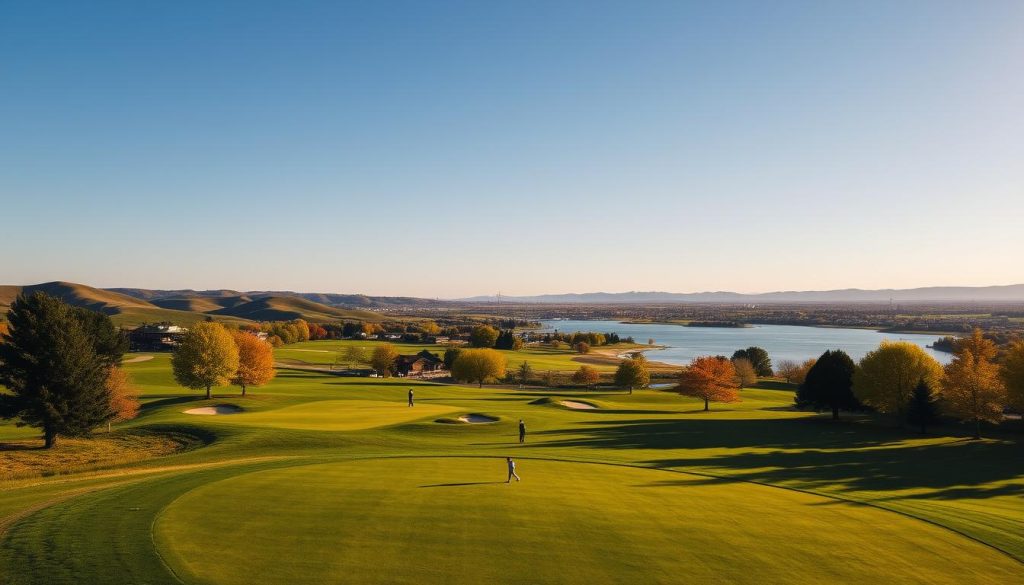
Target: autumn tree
x,y
923,409
354,356
972,388
124,397
383,359
54,363
429,327
586,376
483,336
206,357
1012,374
758,358
746,376
633,373
787,369
710,378
524,372
479,365
255,361
886,376
582,347
829,384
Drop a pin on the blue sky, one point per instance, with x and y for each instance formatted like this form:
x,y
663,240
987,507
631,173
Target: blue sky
x,y
457,148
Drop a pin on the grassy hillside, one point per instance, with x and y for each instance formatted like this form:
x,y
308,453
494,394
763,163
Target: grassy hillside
x,y
136,306
287,308
124,310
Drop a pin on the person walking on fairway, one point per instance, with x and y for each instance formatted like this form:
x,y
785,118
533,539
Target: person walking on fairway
x,y
522,431
511,470
410,396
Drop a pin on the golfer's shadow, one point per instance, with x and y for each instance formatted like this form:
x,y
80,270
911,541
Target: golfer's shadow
x,y
460,484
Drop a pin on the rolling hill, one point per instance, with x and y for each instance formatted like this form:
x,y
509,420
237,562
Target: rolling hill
x,y
132,307
123,309
288,308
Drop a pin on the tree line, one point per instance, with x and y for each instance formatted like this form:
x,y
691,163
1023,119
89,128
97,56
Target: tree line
x,y
901,379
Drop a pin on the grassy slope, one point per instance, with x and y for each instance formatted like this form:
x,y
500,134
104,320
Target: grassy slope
x,y
123,309
540,358
720,522
287,308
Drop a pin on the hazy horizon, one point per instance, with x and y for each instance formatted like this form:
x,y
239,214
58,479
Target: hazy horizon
x,y
453,149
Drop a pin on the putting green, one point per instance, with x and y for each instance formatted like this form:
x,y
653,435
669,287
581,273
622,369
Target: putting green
x,y
415,520
337,415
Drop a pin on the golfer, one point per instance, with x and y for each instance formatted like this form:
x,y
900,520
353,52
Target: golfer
x,y
522,431
410,396
511,470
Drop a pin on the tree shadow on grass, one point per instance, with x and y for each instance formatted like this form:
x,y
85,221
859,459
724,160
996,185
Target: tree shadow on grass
x,y
706,433
813,453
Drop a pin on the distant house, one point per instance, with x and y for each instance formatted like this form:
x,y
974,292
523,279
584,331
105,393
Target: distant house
x,y
423,363
155,337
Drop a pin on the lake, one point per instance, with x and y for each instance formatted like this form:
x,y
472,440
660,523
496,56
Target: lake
x,y
783,342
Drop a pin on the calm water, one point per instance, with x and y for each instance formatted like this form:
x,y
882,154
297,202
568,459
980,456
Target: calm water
x,y
782,341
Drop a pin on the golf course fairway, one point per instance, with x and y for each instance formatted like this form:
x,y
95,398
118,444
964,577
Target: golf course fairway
x,y
454,519
318,478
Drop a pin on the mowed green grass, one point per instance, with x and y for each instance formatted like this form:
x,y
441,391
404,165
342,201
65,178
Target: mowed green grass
x,y
541,359
335,415
455,520
330,479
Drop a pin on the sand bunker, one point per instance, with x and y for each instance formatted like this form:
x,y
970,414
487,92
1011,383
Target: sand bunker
x,y
477,418
137,359
213,410
578,405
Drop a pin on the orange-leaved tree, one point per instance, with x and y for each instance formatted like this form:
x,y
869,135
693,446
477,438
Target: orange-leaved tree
x,y
710,378
255,361
586,376
972,388
124,398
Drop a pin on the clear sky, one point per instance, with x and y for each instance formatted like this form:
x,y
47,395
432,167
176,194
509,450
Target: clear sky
x,y
457,148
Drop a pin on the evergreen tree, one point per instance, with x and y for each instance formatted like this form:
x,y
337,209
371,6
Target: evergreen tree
x,y
829,384
55,371
923,408
758,358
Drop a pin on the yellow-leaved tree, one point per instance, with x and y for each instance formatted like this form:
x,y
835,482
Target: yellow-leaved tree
x,y
383,359
973,389
886,377
1013,375
255,361
206,357
479,365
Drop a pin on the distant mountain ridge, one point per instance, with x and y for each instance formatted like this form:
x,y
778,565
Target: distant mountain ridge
x,y
1007,293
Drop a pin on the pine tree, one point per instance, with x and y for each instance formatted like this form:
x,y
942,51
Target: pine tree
x,y
55,370
923,409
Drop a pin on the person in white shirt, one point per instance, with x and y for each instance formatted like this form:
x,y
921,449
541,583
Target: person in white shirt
x,y
511,470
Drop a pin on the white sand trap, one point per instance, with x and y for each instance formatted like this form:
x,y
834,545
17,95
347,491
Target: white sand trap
x,y
137,359
578,405
213,410
309,350
477,419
